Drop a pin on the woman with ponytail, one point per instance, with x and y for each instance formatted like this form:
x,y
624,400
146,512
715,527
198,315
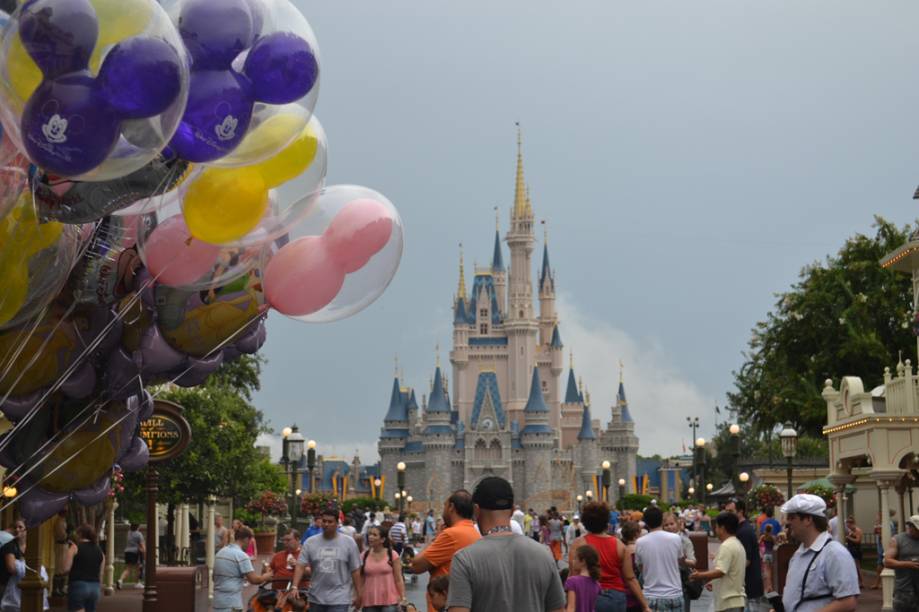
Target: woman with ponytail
x,y
384,588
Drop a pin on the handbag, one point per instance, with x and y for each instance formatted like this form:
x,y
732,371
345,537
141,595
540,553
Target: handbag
x,y
692,588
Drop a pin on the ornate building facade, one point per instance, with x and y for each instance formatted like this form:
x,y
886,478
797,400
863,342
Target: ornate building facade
x,y
510,412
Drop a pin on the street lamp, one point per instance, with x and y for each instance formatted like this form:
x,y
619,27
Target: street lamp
x,y
621,484
377,482
691,491
310,462
789,439
708,489
400,481
589,495
606,480
292,456
744,478
700,447
693,423
580,499
735,448
409,501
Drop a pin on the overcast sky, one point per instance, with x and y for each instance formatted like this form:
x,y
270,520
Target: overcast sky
x,y
688,157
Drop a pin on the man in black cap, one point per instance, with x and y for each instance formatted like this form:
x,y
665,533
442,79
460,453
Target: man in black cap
x,y
502,571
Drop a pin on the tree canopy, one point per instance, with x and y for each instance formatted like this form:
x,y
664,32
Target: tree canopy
x,y
845,316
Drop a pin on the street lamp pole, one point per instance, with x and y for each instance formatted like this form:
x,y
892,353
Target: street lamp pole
x,y
700,447
735,450
377,482
744,478
310,462
789,439
606,480
693,423
400,480
580,498
621,494
292,456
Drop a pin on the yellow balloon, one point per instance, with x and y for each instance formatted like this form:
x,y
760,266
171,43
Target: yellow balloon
x,y
266,138
225,204
118,20
15,289
25,77
292,161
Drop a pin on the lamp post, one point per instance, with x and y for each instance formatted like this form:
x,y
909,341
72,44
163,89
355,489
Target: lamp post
x,y
589,495
691,491
579,498
409,501
621,484
310,462
708,491
398,497
292,455
744,478
693,423
377,482
700,448
606,480
400,481
734,429
789,439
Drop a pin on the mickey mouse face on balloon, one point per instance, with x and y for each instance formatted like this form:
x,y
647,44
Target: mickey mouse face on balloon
x,y
279,68
72,122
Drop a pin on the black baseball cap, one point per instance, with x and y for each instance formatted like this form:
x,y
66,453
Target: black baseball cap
x,y
494,493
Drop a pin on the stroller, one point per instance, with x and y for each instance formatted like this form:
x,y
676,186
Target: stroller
x,y
266,599
408,554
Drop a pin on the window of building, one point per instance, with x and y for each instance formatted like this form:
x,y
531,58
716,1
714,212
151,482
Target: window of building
x,y
483,328
483,312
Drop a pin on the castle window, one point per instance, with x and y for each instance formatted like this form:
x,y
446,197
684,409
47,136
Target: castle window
x,y
483,328
483,312
545,386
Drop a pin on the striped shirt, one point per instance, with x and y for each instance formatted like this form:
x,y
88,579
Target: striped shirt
x,y
398,533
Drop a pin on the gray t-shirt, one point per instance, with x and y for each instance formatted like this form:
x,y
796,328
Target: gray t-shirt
x,y
135,540
505,573
555,530
231,566
332,561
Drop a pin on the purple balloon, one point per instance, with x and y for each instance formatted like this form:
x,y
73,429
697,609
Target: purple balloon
x,y
141,77
37,505
282,68
253,341
16,408
122,375
136,457
95,493
156,356
67,127
216,117
215,31
59,35
81,383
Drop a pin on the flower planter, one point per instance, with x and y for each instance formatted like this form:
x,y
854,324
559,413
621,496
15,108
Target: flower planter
x,y
266,541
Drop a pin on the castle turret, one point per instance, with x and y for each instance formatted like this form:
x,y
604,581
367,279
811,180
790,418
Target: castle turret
x,y
439,438
619,439
539,442
547,317
572,408
498,271
395,433
587,453
463,320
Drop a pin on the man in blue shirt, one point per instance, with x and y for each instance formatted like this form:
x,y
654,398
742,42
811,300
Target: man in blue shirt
x,y
613,520
232,569
312,530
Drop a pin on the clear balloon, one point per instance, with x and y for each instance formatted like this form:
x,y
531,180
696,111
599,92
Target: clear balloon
x,y
255,204
92,89
254,80
35,260
174,257
338,259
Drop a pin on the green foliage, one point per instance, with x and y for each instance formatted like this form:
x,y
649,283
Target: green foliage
x,y
844,316
765,496
312,503
268,503
365,503
634,501
824,492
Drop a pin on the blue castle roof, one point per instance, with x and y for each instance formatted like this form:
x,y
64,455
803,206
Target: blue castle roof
x,y
624,403
487,282
438,401
556,338
487,385
397,404
497,260
571,392
546,272
536,403
587,431
459,311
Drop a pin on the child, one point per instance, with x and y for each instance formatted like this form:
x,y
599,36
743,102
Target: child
x,y
768,542
583,585
437,589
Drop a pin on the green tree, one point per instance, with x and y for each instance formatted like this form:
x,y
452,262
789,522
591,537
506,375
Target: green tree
x,y
844,316
222,459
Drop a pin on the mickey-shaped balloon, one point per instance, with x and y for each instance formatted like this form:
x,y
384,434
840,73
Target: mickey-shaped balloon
x,y
73,121
279,68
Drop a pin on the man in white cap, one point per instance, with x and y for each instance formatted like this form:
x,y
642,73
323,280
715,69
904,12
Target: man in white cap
x,y
902,556
821,574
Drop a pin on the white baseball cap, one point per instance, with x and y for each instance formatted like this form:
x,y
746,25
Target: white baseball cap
x,y
913,520
805,503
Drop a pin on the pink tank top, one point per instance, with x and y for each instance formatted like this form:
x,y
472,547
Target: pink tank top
x,y
380,582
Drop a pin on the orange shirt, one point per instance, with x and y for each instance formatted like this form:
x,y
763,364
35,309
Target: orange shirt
x,y
448,542
282,566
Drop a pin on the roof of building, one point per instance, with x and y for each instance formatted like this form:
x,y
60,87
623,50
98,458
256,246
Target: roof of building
x,y
459,311
545,275
414,446
556,338
397,404
412,403
624,404
488,341
497,259
394,432
587,430
486,282
438,429
536,428
571,392
535,403
438,401
487,386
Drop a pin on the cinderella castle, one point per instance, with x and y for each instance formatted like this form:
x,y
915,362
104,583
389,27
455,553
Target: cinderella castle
x,y
510,413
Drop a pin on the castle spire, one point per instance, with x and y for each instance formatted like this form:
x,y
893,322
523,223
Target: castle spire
x,y
587,430
520,192
461,289
497,258
546,272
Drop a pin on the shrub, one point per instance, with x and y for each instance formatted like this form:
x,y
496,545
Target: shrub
x,y
365,503
826,493
268,503
765,496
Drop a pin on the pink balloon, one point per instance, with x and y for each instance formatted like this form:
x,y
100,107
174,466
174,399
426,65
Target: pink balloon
x,y
174,257
302,277
357,233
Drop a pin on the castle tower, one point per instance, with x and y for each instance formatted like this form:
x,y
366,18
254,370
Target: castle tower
x,y
498,270
463,320
587,451
520,324
547,316
619,439
394,435
539,442
572,408
439,438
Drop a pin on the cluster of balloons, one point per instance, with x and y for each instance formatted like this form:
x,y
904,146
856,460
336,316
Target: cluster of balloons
x,y
162,188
